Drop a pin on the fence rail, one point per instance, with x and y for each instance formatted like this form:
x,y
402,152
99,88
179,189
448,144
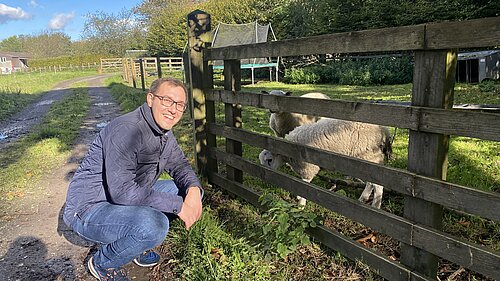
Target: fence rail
x,y
429,118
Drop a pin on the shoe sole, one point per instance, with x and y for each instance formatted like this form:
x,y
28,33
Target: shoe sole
x,y
143,264
92,270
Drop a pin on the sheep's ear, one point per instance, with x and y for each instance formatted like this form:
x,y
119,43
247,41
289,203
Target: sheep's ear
x,y
288,93
265,92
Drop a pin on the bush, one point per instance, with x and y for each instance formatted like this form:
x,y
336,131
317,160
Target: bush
x,y
67,60
301,76
363,72
489,86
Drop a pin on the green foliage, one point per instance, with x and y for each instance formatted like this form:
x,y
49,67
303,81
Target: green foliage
x,y
301,76
12,44
128,98
286,225
299,18
44,44
363,72
166,19
75,60
489,86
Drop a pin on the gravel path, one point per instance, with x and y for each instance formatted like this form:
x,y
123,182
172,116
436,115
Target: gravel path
x,y
34,243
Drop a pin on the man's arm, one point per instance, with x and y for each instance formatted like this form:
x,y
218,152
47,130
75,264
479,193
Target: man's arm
x,y
191,207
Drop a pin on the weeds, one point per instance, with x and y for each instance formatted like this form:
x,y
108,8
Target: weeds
x,y
286,225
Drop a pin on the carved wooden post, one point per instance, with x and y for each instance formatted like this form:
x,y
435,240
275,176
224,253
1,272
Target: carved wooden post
x,y
232,82
433,82
199,38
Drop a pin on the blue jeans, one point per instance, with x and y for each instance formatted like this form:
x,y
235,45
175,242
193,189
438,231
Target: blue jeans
x,y
124,232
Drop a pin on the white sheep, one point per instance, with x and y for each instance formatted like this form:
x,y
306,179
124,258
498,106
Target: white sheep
x,y
360,140
283,122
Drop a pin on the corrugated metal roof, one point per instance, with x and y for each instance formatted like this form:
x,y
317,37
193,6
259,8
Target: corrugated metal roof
x,y
475,55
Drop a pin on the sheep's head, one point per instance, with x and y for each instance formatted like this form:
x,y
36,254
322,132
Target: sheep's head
x,y
269,160
277,93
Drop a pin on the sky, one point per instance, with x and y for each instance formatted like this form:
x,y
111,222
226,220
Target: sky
x,y
31,17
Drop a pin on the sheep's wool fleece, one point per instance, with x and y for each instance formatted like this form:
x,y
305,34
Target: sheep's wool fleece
x,y
283,122
355,139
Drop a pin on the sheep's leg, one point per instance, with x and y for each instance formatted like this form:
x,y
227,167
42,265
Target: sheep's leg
x,y
365,195
302,200
377,190
377,195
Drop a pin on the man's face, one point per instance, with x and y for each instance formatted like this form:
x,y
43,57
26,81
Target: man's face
x,y
167,116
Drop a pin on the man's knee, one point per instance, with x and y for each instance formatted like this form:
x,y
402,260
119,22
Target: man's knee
x,y
154,227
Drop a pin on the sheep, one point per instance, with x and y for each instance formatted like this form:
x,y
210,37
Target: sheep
x,y
360,140
283,122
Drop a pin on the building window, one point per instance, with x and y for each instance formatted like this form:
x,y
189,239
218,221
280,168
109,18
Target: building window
x,y
3,59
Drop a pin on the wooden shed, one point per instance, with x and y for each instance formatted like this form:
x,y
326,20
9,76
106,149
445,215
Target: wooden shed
x,y
13,61
474,67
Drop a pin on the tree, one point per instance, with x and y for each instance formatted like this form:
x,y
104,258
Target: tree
x,y
48,44
112,34
12,44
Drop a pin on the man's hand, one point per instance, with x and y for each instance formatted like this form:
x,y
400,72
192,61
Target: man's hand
x,y
191,208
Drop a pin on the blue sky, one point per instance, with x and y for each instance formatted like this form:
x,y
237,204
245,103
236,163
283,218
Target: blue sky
x,y
30,17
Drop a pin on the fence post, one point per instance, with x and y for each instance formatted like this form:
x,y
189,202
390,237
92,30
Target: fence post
x,y
198,29
134,73
141,70
158,66
232,112
433,82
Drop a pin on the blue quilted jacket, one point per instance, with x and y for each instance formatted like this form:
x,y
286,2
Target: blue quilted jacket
x,y
124,162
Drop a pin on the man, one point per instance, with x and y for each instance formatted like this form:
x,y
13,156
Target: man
x,y
115,197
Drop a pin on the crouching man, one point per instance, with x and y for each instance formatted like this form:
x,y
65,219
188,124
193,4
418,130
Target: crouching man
x,y
115,197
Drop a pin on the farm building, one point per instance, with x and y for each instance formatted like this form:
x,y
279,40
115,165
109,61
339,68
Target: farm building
x,y
474,67
13,61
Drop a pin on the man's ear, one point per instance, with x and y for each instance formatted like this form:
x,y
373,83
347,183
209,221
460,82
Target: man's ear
x,y
264,92
288,93
149,99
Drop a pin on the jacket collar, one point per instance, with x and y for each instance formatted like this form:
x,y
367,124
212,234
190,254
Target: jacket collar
x,y
146,111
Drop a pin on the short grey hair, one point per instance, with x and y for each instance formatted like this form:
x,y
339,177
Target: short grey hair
x,y
174,82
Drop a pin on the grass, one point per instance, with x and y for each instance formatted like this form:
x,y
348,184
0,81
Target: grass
x,y
19,89
26,161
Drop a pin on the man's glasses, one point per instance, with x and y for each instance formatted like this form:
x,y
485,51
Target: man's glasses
x,y
168,102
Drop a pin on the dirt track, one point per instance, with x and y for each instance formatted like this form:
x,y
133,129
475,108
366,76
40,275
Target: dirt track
x,y
34,243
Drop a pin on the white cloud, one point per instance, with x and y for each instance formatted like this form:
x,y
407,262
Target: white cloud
x,y
33,4
59,21
10,13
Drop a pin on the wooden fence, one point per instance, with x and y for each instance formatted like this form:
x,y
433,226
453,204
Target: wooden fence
x,y
430,120
134,69
59,68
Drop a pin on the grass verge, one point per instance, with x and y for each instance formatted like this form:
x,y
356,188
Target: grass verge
x,y
24,163
19,89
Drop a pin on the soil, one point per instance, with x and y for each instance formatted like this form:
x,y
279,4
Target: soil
x,y
35,244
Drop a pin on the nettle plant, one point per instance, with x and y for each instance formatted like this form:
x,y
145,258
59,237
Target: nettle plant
x,y
286,225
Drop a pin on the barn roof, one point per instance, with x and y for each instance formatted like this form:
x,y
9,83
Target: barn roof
x,y
15,54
